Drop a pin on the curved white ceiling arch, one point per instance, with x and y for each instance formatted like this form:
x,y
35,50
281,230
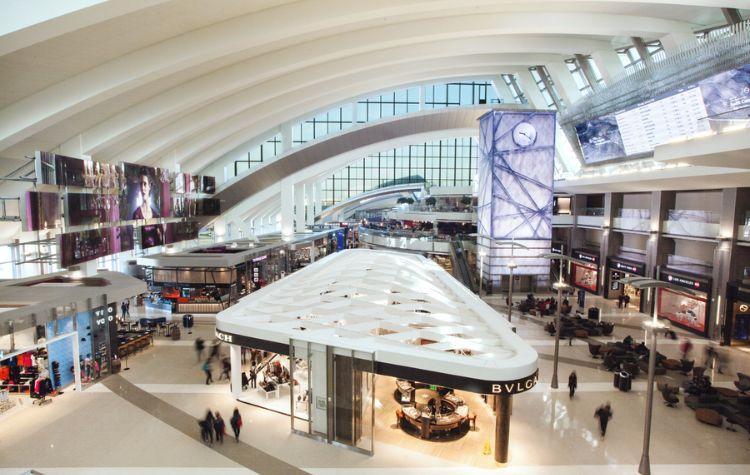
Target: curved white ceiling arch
x,y
280,111
254,34
227,84
219,117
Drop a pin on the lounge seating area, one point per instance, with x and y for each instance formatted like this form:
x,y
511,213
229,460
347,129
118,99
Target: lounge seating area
x,y
713,405
580,328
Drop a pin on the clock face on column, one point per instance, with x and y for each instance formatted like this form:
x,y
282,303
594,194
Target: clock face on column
x,y
524,134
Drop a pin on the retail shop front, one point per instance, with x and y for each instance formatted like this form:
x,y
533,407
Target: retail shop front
x,y
625,294
737,324
211,278
60,336
682,309
361,326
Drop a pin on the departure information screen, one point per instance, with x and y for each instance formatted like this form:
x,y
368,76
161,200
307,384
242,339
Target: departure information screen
x,y
685,112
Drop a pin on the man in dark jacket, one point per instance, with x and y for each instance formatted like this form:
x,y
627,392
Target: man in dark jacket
x,y
572,383
604,414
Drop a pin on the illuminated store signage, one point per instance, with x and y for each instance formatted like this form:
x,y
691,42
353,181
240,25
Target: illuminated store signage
x,y
516,387
586,256
629,267
694,284
225,337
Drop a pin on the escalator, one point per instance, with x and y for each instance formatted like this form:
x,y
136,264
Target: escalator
x,y
461,269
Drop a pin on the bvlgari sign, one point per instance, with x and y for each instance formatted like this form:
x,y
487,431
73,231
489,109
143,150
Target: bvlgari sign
x,y
515,387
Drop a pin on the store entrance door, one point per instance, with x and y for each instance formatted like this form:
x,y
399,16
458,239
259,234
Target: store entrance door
x,y
627,296
337,404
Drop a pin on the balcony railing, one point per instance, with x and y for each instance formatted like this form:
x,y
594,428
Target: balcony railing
x,y
632,219
687,222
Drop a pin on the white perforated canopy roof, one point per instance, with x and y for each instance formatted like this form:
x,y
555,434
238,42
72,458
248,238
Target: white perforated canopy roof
x,y
404,308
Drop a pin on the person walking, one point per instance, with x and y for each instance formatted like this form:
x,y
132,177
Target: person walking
x,y
572,383
236,423
207,370
219,428
226,367
208,423
215,350
199,346
127,307
253,378
124,309
604,414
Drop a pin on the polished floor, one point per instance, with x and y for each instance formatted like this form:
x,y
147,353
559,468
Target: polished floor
x,y
144,421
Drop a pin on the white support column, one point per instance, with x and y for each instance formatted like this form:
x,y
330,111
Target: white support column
x,y
353,106
609,65
674,42
531,90
310,204
564,83
421,96
286,137
318,196
299,207
503,91
235,362
287,208
76,362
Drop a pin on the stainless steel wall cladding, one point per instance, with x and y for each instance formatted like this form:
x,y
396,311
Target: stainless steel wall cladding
x,y
687,66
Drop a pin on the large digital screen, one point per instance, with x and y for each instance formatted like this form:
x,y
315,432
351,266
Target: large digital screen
x,y
183,207
91,208
169,233
53,169
637,130
586,277
517,151
146,194
682,309
42,211
515,190
82,246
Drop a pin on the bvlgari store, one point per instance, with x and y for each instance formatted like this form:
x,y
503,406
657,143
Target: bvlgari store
x,y
445,373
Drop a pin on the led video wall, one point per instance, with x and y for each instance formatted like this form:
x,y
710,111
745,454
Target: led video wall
x,y
637,130
121,193
77,247
41,211
169,233
515,188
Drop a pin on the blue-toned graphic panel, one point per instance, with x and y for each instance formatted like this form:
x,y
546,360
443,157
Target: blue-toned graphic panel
x,y
516,166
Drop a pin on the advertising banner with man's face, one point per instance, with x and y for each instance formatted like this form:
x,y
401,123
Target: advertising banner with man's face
x,y
146,193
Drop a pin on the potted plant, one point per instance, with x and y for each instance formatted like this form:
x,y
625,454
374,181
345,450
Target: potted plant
x,y
430,201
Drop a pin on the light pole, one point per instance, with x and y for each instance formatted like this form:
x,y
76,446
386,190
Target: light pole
x,y
482,253
511,265
653,326
559,285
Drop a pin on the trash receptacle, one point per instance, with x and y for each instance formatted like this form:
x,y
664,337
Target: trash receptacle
x,y
593,313
625,381
617,380
187,321
116,366
175,334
